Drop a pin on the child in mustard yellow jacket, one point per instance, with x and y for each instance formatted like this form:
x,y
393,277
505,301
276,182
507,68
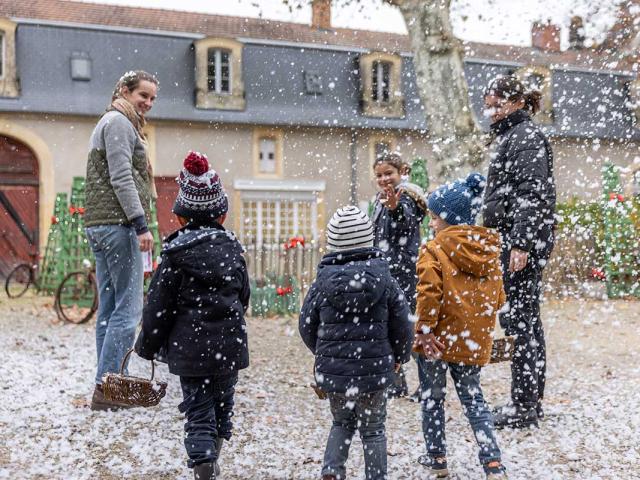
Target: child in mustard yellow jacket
x,y
459,294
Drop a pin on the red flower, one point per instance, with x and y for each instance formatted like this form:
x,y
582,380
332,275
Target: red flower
x,y
598,274
196,163
54,220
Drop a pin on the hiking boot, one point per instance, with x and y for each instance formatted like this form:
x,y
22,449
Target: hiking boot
x,y
216,465
100,403
204,471
495,471
437,465
512,416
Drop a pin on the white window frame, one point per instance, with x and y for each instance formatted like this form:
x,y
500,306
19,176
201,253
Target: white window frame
x,y
217,64
273,163
380,83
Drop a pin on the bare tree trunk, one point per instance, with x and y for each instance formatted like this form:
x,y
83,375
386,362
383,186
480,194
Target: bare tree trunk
x,y
454,134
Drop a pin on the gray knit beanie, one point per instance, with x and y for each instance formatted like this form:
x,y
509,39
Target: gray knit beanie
x,y
349,228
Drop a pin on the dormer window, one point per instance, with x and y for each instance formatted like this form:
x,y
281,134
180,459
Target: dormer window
x,y
219,71
381,85
8,72
219,83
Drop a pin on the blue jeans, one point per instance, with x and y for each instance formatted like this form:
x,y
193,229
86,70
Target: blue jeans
x,y
208,408
120,290
466,378
366,413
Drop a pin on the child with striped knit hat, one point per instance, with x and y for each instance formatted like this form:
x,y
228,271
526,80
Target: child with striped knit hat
x,y
355,320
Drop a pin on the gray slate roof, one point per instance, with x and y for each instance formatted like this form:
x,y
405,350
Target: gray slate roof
x,y
273,76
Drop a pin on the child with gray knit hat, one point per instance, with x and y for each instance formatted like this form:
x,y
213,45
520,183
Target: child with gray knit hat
x,y
195,310
355,319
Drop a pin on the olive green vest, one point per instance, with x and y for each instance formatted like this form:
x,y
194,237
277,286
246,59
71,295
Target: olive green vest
x,y
102,205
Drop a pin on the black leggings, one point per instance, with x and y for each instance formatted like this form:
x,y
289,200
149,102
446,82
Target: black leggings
x,y
528,366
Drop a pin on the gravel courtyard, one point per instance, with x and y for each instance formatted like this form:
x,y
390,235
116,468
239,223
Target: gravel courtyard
x,y
48,432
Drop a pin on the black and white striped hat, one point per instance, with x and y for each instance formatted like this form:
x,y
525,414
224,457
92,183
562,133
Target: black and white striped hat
x,y
349,228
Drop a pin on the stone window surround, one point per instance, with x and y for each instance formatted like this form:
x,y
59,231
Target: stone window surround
x,y
9,80
278,136
395,107
212,100
545,115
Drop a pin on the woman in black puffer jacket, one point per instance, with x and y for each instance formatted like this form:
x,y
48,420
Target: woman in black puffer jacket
x,y
520,202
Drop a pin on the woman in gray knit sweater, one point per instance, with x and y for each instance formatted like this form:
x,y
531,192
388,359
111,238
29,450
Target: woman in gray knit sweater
x,y
119,188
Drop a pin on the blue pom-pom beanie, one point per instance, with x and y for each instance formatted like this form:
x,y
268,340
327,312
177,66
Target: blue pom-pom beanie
x,y
459,202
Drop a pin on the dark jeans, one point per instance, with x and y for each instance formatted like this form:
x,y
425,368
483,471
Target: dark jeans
x,y
528,366
466,378
208,408
366,413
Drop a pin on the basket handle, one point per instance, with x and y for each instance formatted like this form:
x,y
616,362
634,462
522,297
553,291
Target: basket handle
x,y
124,361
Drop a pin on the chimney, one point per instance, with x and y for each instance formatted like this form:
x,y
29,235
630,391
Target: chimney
x,y
321,14
545,36
576,33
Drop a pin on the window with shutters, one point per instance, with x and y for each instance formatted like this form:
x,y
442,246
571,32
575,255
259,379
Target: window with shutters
x,y
538,77
267,146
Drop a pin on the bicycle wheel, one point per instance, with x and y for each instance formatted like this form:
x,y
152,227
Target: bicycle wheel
x,y
77,297
18,280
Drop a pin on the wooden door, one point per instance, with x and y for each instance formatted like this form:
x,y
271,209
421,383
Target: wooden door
x,y
167,188
19,209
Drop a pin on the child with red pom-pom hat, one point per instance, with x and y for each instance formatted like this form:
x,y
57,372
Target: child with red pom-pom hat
x,y
195,310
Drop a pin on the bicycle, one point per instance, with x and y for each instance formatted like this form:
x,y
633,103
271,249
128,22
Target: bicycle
x,y
77,295
20,279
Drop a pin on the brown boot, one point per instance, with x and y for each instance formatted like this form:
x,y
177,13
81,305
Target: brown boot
x,y
100,403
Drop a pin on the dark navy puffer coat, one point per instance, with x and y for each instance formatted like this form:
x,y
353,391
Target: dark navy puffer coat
x,y
355,320
397,234
196,304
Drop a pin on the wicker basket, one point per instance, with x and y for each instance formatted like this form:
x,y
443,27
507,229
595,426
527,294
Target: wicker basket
x,y
130,390
502,350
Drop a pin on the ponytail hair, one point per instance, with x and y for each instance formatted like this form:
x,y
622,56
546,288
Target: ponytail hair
x,y
512,89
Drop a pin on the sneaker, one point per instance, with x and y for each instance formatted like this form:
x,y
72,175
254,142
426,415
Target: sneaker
x,y
100,403
512,416
495,471
437,465
416,397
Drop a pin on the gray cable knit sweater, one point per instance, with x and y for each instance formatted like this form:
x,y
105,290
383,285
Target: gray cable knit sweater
x,y
118,187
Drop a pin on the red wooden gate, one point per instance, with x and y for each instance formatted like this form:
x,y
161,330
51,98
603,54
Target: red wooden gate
x,y
19,182
167,190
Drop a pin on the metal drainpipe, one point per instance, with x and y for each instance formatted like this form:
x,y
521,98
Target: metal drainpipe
x,y
353,160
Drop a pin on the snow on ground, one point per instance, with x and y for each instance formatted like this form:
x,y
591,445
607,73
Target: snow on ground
x,y
47,432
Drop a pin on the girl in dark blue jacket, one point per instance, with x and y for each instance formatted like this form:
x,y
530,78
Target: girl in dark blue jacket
x,y
397,216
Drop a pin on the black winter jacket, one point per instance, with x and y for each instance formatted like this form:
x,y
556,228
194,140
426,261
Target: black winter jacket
x,y
196,304
520,197
355,320
397,234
